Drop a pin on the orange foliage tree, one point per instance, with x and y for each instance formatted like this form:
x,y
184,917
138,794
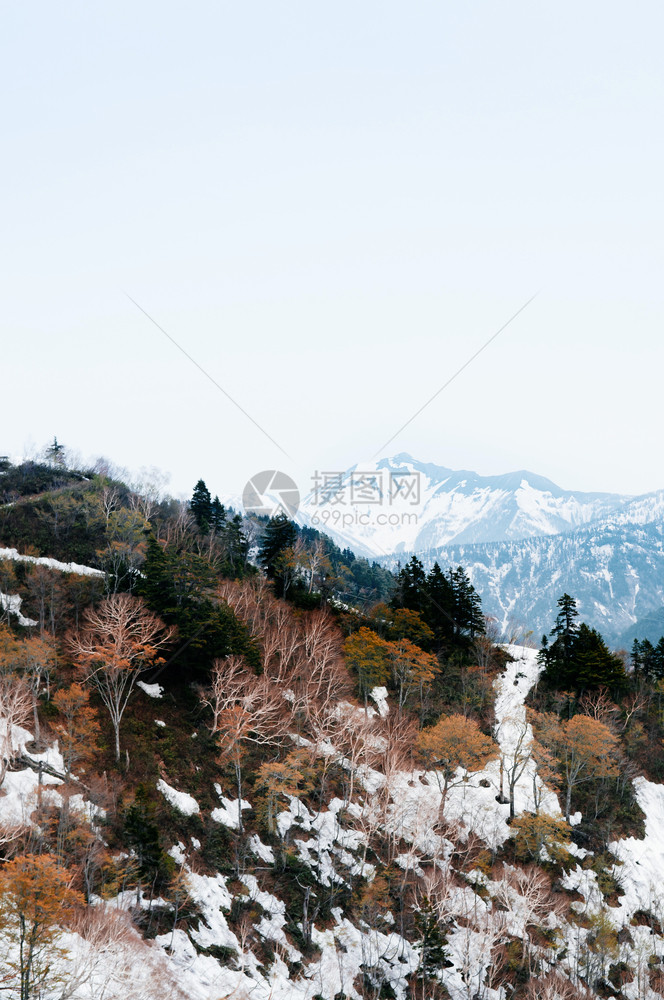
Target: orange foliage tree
x,y
36,899
412,669
585,748
369,656
33,658
452,743
77,727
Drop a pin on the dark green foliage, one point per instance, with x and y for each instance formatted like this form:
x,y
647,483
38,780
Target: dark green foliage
x,y
432,941
467,606
441,601
55,453
141,833
352,579
648,660
234,543
279,536
171,578
411,590
448,603
31,478
201,506
179,586
219,848
59,521
217,515
578,659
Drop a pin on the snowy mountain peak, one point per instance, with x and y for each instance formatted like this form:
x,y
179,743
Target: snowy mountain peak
x,y
400,504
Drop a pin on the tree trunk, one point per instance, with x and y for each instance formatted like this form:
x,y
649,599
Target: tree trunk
x,y
35,714
238,775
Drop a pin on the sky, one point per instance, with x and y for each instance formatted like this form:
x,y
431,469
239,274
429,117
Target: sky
x,y
331,208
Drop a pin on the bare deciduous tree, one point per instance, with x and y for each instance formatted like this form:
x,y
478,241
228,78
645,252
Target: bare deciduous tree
x,y
15,711
119,640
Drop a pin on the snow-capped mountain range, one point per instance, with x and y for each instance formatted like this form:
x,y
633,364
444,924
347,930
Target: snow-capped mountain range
x,y
401,505
522,539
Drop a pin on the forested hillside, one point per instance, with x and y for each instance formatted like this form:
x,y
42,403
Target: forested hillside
x,y
239,761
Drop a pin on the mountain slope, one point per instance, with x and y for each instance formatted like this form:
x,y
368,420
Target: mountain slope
x,y
649,627
615,570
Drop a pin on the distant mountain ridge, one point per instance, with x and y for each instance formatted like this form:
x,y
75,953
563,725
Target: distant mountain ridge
x,y
522,539
455,506
650,627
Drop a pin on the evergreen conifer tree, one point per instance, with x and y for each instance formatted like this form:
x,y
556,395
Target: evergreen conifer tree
x,y
578,659
441,606
279,535
201,506
217,515
411,589
467,613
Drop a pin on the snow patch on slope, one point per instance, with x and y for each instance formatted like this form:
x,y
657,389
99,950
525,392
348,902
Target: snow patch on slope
x,y
70,567
12,604
182,801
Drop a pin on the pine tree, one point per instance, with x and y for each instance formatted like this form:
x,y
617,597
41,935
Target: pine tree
x,y
201,506
280,534
648,658
432,943
411,589
560,670
142,834
593,663
467,613
55,454
441,606
659,659
565,627
234,544
217,515
578,659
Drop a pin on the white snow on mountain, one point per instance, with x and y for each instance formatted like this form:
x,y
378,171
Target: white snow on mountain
x,y
399,504
188,963
70,567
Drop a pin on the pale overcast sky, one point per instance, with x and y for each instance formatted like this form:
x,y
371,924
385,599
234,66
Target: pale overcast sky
x,y
331,207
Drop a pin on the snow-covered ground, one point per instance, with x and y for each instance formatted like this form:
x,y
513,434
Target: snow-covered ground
x,y
70,567
333,843
12,603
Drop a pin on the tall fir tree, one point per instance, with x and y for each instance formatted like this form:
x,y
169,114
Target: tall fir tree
x,y
201,506
217,515
467,613
411,588
279,535
578,659
441,606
